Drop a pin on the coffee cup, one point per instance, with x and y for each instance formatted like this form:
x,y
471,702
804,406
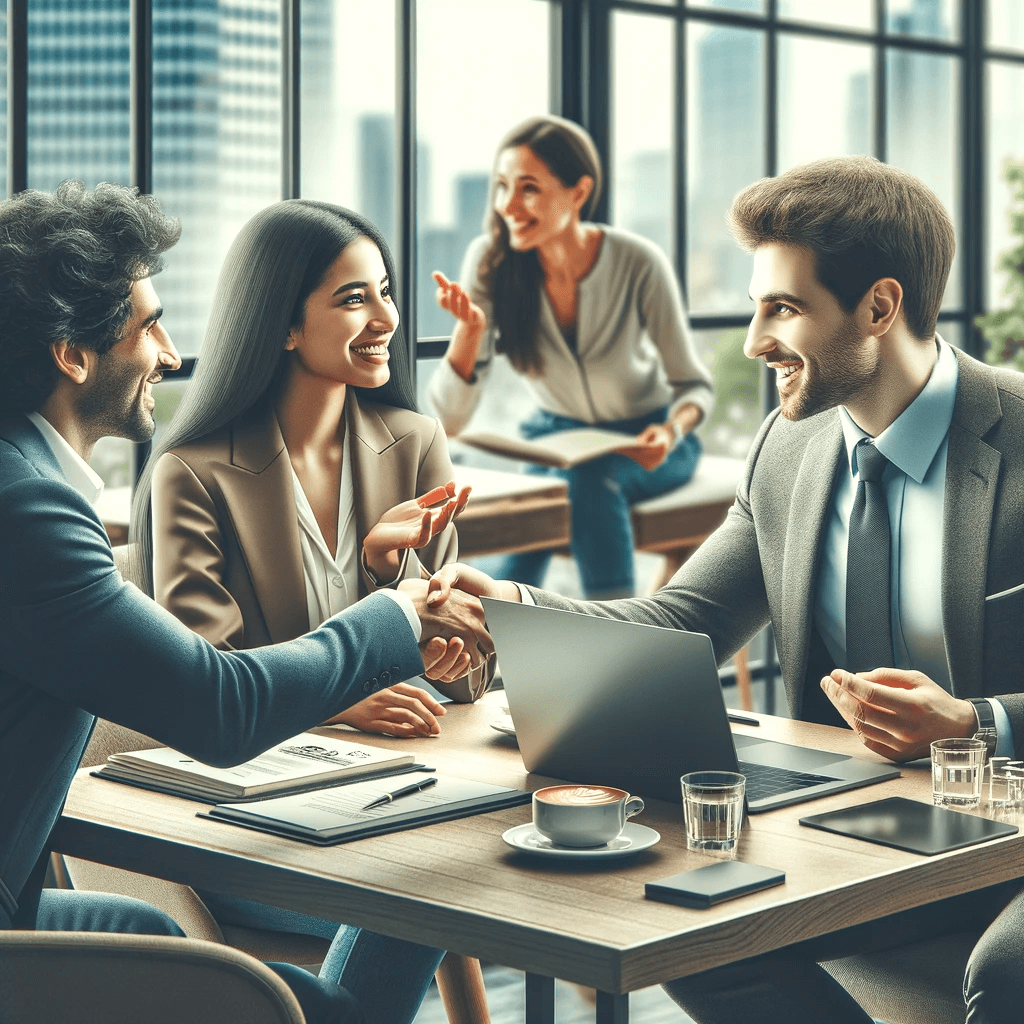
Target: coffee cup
x,y
583,815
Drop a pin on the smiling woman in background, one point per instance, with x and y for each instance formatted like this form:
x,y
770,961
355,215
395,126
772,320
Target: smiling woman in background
x,y
593,319
294,478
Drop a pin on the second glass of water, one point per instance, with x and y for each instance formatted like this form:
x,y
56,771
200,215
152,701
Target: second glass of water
x,y
957,767
713,806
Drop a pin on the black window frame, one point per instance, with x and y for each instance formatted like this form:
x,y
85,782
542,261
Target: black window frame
x,y
580,70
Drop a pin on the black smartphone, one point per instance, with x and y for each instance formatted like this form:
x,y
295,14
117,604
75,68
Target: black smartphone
x,y
713,883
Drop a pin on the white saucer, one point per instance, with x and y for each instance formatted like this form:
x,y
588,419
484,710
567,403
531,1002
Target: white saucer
x,y
504,725
632,839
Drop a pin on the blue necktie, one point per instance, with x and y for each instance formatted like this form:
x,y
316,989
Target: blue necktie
x,y
868,600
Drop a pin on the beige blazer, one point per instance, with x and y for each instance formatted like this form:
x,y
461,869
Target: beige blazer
x,y
226,555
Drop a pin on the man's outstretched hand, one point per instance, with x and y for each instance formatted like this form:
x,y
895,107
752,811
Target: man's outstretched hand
x,y
897,713
457,622
455,577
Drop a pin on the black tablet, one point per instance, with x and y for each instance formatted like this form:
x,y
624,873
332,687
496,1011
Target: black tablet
x,y
911,825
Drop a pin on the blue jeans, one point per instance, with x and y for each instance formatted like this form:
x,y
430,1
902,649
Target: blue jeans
x,y
65,910
388,977
601,492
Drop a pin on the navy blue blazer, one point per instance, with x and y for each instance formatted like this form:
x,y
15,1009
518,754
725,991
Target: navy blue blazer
x,y
77,642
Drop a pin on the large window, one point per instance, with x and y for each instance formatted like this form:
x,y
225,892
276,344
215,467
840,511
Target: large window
x,y
247,101
762,85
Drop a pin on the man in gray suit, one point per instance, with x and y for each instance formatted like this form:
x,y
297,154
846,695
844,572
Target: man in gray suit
x,y
879,529
81,345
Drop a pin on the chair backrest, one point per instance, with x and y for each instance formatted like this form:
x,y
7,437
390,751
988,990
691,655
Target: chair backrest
x,y
110,738
92,978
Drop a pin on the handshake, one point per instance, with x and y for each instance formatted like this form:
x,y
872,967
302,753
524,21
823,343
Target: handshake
x,y
455,637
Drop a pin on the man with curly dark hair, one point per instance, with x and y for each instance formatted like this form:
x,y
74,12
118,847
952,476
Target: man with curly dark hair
x,y
72,262
81,345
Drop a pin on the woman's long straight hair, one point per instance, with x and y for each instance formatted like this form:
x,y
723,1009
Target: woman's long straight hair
x,y
514,279
278,259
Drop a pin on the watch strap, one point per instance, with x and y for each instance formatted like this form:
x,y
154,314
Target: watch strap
x,y
986,723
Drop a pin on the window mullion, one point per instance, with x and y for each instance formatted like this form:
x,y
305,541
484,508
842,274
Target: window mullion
x,y
291,98
405,169
17,96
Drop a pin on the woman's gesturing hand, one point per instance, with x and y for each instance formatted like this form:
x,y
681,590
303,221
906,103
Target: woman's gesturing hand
x,y
412,524
399,710
451,297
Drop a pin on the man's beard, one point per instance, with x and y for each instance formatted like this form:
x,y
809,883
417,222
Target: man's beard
x,y
841,371
113,406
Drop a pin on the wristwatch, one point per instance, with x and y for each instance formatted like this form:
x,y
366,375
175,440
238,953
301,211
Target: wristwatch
x,y
986,724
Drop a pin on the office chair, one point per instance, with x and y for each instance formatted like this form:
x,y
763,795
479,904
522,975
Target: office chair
x,y
96,978
921,983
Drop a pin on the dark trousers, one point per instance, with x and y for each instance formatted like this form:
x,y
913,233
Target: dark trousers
x,y
789,985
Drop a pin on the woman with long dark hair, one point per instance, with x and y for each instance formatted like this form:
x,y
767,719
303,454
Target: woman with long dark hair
x,y
593,319
295,477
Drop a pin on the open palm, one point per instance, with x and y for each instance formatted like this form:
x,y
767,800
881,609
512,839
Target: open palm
x,y
412,524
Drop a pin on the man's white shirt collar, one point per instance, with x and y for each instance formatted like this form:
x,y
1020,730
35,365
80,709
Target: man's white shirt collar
x,y
78,473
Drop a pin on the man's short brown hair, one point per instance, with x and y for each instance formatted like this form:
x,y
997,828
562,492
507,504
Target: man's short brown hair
x,y
863,220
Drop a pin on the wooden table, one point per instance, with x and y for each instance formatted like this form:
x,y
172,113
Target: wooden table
x,y
456,885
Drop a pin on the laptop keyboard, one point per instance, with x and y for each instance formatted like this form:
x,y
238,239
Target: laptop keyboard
x,y
767,780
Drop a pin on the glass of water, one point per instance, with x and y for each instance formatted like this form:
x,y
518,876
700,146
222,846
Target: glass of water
x,y
713,806
957,767
1005,784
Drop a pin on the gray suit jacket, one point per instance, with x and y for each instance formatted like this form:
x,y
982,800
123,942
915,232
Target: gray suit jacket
x,y
761,565
76,642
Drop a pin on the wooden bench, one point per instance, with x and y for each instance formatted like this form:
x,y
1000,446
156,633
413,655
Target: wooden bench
x,y
677,523
510,512
518,512
506,512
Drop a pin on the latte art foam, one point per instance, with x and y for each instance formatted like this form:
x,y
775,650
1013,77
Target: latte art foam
x,y
580,796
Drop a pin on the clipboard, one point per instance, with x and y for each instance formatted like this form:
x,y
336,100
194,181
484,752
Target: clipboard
x,y
326,817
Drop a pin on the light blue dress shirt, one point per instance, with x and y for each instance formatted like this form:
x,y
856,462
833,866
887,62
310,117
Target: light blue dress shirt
x,y
915,480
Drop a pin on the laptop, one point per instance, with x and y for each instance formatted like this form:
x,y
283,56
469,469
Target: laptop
x,y
622,704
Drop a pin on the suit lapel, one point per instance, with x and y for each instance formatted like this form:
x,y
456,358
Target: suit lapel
x,y
371,449
385,468
258,491
808,513
972,476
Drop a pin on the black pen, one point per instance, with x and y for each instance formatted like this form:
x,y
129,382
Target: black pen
x,y
415,787
741,719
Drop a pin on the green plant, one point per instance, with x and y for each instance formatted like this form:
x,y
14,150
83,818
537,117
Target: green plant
x,y
1004,328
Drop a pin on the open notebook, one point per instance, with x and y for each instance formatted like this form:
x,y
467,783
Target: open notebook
x,y
303,762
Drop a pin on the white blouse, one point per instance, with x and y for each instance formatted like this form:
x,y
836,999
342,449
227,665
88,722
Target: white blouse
x,y
332,582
